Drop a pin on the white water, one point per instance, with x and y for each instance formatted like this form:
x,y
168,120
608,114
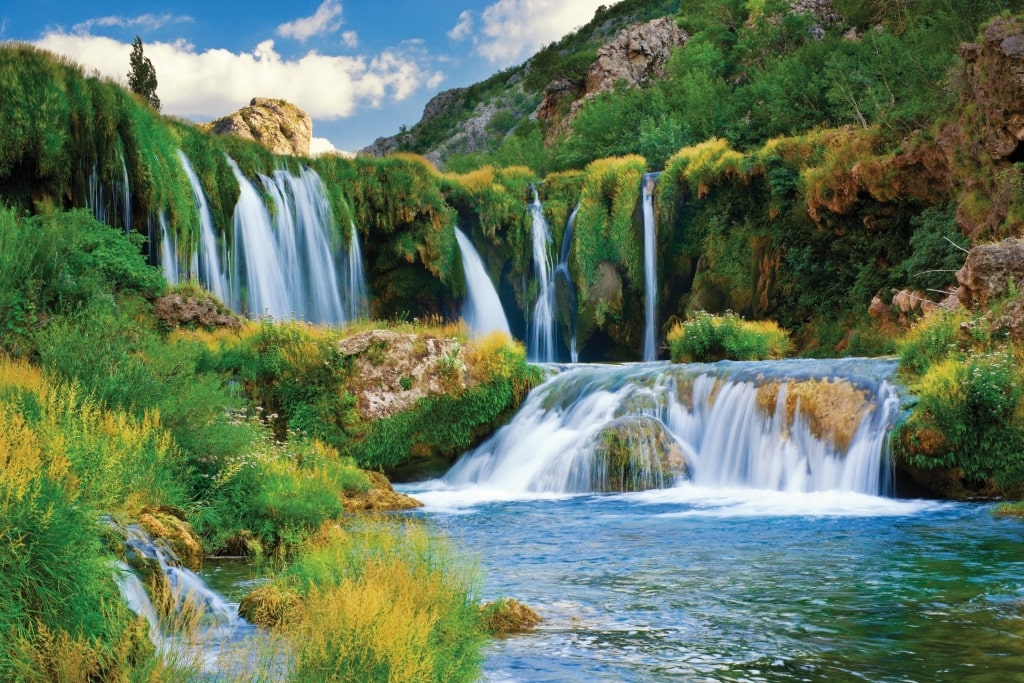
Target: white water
x,y
562,269
224,641
650,266
115,210
711,412
168,251
207,264
482,311
542,326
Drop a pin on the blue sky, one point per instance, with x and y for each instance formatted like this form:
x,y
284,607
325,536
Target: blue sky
x,y
360,69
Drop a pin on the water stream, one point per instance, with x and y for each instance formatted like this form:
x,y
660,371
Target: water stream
x,y
562,271
650,267
541,347
482,311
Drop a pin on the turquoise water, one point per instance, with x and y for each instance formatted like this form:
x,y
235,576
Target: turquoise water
x,y
692,584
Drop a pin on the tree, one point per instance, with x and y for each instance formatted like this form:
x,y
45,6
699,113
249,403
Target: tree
x,y
142,77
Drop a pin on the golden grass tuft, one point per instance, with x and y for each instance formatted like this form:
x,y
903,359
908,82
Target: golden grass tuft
x,y
507,616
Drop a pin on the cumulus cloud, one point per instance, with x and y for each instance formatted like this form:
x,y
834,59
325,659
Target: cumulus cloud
x,y
215,82
514,29
326,19
350,39
462,29
318,146
143,21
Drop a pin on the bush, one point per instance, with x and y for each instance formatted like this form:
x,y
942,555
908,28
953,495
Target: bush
x,y
707,338
383,604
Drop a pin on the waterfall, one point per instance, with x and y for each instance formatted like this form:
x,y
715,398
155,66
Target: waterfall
x,y
222,638
482,311
168,251
357,300
207,263
288,265
115,210
562,269
761,425
542,327
650,266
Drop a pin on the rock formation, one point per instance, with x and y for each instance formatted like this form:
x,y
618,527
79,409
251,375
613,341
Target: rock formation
x,y
991,271
634,56
637,452
994,82
279,126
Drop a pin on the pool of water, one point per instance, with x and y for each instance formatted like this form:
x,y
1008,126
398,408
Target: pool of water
x,y
692,584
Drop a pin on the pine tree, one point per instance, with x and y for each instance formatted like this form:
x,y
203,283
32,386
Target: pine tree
x,y
142,77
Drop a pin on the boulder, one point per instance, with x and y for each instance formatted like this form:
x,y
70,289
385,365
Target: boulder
x,y
994,83
279,126
179,309
169,525
990,272
392,371
636,453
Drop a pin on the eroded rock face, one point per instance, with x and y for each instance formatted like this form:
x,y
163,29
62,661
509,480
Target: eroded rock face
x,y
279,126
994,82
392,370
634,56
989,270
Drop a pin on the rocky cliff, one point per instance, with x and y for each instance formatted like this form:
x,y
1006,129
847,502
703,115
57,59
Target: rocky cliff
x,y
279,126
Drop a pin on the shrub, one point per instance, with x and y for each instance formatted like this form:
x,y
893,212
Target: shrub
x,y
932,339
383,604
707,338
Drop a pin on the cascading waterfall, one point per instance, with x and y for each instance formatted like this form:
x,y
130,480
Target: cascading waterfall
x,y
289,266
115,210
650,266
718,425
482,311
562,269
223,638
207,263
357,299
168,251
542,326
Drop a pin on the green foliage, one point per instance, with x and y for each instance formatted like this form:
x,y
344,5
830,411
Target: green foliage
x,y
707,338
931,340
934,257
142,76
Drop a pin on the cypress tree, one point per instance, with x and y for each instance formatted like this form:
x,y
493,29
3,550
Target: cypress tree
x,y
142,77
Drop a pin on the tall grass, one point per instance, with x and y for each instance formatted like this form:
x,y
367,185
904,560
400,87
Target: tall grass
x,y
705,337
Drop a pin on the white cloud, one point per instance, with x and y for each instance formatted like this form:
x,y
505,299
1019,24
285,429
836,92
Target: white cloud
x,y
205,85
462,29
143,21
326,19
350,39
318,146
514,29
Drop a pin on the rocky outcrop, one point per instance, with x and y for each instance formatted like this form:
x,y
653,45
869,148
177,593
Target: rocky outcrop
x,y
392,371
200,309
990,272
994,82
380,497
634,56
279,126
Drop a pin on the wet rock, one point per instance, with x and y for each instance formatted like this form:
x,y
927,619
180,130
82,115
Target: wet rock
x,y
637,453
169,525
833,409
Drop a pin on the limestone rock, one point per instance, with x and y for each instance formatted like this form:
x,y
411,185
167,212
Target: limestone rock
x,y
279,126
169,525
636,453
994,82
393,370
634,56
989,270
191,310
381,497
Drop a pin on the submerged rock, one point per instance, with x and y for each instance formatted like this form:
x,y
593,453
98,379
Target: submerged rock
x,y
636,453
833,409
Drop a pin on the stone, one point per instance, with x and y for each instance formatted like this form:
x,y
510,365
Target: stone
x,y
194,310
994,82
169,525
507,616
636,453
279,126
380,497
990,272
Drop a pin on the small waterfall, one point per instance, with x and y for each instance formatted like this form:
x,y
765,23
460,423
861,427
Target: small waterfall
x,y
223,639
542,327
168,251
482,311
735,425
116,209
650,266
562,269
207,263
357,300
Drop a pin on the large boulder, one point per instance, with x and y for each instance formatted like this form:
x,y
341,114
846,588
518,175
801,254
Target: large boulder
x,y
636,453
279,126
990,272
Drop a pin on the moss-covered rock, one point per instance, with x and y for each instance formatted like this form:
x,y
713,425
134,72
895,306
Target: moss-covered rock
x,y
636,453
506,617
